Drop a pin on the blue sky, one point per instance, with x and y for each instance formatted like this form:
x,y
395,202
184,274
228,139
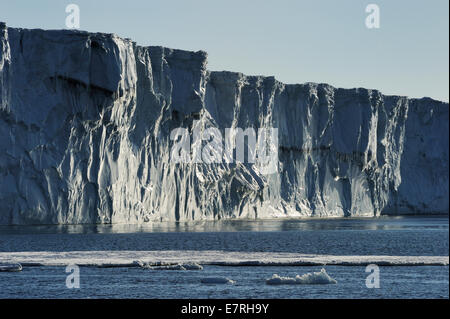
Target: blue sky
x,y
296,41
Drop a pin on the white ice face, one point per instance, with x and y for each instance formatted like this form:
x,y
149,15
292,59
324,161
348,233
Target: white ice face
x,y
85,124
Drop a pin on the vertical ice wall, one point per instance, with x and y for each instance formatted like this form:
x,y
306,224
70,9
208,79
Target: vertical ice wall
x,y
85,122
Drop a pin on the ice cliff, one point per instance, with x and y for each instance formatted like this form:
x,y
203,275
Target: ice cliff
x,y
85,122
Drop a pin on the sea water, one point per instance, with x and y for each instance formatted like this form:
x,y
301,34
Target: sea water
x,y
240,239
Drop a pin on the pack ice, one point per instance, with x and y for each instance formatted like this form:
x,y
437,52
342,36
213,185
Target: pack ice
x,y
85,122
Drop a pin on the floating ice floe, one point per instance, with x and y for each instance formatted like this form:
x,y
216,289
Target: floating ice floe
x,y
208,257
315,278
192,266
217,280
13,267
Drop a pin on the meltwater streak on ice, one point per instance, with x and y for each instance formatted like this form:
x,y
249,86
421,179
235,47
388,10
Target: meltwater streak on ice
x,y
219,258
88,140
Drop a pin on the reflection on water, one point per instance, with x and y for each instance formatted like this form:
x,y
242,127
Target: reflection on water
x,y
268,225
397,236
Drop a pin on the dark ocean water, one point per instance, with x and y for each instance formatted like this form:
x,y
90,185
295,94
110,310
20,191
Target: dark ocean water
x,y
395,236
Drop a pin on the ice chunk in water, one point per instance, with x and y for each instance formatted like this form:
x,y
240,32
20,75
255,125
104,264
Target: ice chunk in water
x,y
315,278
217,280
10,267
